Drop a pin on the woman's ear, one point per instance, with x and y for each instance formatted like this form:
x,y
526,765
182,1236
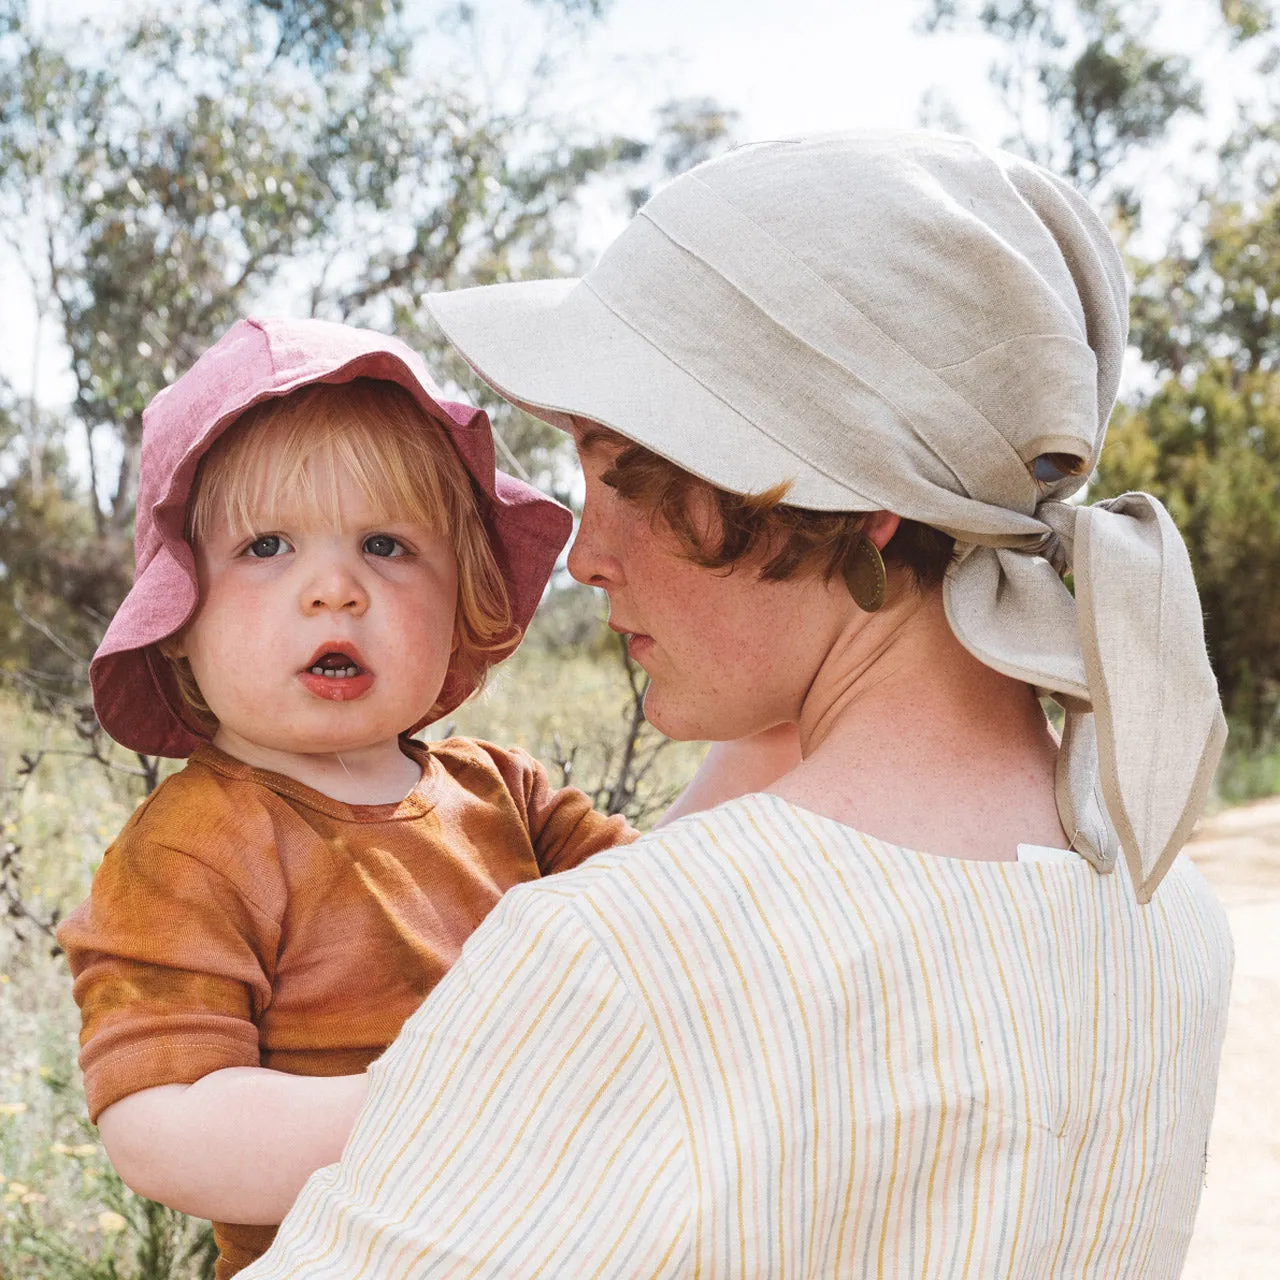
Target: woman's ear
x,y
879,527
171,647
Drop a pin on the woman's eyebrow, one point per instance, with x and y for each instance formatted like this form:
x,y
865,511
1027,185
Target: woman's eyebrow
x,y
591,435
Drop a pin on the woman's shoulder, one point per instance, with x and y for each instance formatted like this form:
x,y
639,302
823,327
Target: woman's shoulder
x,y
759,859
694,865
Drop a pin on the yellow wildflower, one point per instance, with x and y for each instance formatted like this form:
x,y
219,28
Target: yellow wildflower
x,y
85,1149
111,1222
12,1108
4,977
60,1149
34,1197
18,1189
44,1072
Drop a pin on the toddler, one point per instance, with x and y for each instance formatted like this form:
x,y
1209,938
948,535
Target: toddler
x,y
326,562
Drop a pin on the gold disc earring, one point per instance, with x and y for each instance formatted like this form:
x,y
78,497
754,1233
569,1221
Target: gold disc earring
x,y
864,575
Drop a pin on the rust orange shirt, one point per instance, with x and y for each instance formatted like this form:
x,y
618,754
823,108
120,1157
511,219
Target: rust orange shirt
x,y
244,919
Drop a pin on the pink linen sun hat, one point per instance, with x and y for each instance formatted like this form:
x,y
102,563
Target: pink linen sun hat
x,y
135,693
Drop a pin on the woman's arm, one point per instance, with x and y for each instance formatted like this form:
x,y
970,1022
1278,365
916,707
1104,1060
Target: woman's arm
x,y
235,1146
524,1122
733,769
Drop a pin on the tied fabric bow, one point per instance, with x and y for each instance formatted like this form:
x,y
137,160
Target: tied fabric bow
x,y
1125,658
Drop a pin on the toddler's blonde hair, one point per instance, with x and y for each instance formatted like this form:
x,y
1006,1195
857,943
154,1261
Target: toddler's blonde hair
x,y
288,452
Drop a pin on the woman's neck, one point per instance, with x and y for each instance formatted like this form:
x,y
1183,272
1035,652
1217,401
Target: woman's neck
x,y
906,735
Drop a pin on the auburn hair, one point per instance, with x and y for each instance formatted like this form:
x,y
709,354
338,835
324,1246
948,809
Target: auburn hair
x,y
786,540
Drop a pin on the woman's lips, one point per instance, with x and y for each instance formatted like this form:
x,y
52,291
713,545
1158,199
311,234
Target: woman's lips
x,y
638,646
638,643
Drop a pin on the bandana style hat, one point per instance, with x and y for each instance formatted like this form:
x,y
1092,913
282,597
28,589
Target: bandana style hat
x,y
906,321
134,690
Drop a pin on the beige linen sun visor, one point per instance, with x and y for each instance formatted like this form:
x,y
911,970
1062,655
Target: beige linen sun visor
x,y
905,321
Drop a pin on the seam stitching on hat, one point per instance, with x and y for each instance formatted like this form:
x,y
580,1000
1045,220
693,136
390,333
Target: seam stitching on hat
x,y
266,338
822,355
822,471
1004,342
827,288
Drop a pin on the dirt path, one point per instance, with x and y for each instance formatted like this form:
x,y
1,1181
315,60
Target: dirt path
x,y
1238,1228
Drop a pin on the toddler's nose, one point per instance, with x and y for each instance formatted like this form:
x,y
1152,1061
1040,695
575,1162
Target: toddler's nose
x,y
334,589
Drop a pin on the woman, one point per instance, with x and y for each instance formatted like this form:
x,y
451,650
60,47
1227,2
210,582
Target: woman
x,y
898,1014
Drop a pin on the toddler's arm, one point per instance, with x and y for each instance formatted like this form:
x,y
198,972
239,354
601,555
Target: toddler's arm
x,y
235,1146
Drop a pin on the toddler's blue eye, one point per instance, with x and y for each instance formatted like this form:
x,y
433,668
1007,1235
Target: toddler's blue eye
x,y
381,544
270,544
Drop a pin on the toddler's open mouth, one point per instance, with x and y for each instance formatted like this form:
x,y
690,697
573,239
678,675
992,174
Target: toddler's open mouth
x,y
336,665
336,673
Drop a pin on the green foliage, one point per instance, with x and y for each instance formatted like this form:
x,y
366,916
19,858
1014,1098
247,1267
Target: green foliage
x,y
318,30
1218,300
1248,18
1210,449
1082,85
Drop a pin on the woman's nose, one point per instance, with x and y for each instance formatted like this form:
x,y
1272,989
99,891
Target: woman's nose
x,y
591,558
334,588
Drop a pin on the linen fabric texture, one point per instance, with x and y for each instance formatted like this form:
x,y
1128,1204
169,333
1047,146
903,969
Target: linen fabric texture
x,y
244,919
135,693
758,1043
906,321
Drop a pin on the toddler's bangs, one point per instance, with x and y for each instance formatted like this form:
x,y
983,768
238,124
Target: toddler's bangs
x,y
285,457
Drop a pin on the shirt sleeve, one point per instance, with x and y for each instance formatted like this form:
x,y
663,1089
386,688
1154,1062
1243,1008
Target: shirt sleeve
x,y
564,826
172,964
523,1124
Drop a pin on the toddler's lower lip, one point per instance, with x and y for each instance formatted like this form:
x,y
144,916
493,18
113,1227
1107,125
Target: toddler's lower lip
x,y
337,688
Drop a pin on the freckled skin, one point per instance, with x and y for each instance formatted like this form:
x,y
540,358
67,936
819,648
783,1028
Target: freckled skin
x,y
696,632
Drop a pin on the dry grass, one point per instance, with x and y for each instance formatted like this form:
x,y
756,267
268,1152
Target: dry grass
x,y
63,1213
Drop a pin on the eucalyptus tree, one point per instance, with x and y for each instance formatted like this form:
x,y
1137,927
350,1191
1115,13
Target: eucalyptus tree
x,y
167,169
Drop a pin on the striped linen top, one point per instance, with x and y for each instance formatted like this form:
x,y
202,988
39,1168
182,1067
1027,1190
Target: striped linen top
x,y
761,1044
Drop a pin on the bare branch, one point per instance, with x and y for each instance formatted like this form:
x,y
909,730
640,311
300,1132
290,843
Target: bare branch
x,y
50,635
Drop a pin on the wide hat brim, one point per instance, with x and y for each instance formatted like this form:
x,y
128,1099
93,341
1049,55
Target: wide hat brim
x,y
135,694
556,350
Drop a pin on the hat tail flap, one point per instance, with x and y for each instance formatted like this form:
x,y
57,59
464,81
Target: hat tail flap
x,y
1159,724
1013,613
1081,804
